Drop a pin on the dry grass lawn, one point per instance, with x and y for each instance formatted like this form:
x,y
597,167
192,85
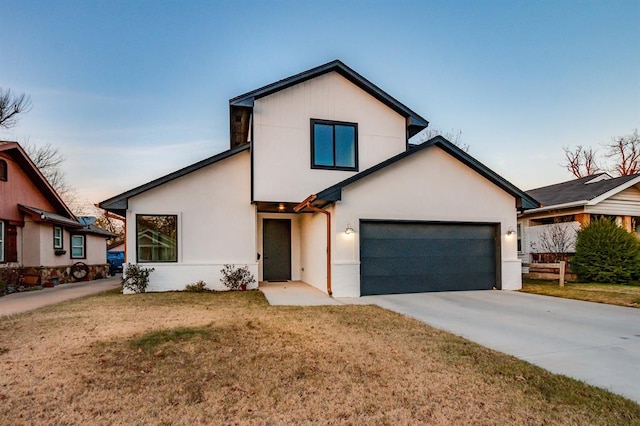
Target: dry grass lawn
x,y
612,294
229,358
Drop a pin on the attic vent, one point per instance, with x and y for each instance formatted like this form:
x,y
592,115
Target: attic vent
x,y
599,178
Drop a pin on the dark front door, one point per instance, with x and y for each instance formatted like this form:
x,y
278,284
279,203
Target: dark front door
x,y
276,247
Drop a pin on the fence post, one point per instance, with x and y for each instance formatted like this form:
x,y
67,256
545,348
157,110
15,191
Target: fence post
x,y
562,263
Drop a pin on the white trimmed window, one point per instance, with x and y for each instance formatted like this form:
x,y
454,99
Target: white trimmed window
x,y
57,237
77,247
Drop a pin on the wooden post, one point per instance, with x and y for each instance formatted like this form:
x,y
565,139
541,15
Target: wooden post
x,y
562,263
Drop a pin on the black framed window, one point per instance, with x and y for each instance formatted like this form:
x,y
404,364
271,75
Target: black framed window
x,y
3,170
78,247
57,237
157,238
334,145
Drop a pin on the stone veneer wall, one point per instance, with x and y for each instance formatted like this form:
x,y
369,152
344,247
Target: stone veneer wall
x,y
11,273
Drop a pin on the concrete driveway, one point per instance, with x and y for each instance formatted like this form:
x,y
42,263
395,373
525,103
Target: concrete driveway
x,y
22,302
596,343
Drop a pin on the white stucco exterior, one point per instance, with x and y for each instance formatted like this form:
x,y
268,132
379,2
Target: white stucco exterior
x,y
221,207
428,186
216,224
282,136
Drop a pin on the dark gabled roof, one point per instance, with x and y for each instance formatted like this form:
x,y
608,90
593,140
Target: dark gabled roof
x,y
247,99
584,189
119,203
19,155
334,193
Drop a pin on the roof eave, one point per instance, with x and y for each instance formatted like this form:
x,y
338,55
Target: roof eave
x,y
119,203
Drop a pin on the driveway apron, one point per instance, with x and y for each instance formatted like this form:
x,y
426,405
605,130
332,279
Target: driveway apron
x,y
596,343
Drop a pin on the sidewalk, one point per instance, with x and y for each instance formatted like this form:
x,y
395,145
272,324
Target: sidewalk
x,y
29,300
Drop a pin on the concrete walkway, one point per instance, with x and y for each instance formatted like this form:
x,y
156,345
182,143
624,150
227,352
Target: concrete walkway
x,y
295,293
29,300
593,342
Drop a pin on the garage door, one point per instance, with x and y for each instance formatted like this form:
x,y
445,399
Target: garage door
x,y
415,257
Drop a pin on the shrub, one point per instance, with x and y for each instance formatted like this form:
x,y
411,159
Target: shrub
x,y
236,278
197,287
136,278
606,253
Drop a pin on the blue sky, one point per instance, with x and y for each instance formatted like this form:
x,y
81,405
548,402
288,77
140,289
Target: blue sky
x,y
131,90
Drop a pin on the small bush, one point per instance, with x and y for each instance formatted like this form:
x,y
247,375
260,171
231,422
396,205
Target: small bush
x,y
136,278
236,278
606,253
197,287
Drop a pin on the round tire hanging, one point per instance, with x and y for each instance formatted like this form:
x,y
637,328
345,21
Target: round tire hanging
x,y
79,270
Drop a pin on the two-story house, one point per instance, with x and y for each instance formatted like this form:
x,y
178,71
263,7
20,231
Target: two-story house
x,y
39,235
321,185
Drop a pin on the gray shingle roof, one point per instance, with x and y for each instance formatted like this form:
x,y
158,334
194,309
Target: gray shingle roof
x,y
578,189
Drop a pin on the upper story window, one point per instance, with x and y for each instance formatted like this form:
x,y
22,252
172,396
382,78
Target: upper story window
x,y
157,238
3,170
334,145
57,237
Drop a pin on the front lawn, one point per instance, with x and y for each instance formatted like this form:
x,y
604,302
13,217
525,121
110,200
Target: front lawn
x,y
230,358
613,294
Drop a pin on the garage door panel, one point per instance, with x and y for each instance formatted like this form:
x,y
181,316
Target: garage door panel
x,y
431,247
435,265
409,257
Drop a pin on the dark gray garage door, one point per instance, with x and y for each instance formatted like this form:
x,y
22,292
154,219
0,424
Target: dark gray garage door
x,y
415,257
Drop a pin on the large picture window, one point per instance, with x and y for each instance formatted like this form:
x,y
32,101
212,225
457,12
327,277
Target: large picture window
x,y
334,145
77,247
157,238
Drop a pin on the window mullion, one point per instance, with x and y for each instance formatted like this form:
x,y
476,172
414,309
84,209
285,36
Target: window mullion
x,y
334,144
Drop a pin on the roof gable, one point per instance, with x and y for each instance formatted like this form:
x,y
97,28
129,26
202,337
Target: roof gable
x,y
587,190
524,201
19,155
414,121
119,203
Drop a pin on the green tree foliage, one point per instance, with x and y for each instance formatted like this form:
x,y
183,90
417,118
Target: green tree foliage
x,y
606,253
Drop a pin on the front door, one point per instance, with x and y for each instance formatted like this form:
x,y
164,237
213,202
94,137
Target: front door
x,y
276,249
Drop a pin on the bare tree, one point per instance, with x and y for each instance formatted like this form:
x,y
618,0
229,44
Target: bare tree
x,y
621,158
453,136
49,160
11,106
556,239
580,161
111,222
625,152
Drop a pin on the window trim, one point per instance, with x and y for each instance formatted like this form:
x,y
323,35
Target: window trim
x,y
84,246
59,246
177,257
334,123
4,170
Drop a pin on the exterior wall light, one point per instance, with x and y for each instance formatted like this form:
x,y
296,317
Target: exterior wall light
x,y
349,230
510,231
